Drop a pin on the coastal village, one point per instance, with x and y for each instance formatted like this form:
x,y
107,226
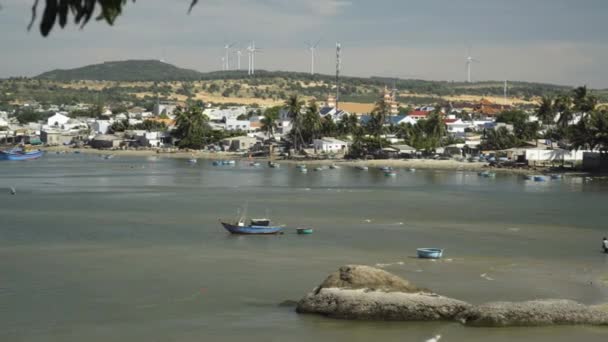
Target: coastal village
x,y
466,131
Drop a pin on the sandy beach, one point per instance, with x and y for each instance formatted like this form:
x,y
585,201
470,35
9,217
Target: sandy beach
x,y
423,164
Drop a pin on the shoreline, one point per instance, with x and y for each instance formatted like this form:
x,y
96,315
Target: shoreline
x,y
423,164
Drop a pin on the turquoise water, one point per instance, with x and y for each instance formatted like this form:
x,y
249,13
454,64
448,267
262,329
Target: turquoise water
x,y
130,249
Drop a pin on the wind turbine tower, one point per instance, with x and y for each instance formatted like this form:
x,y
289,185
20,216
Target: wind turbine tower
x,y
239,53
338,67
252,50
312,48
227,58
469,63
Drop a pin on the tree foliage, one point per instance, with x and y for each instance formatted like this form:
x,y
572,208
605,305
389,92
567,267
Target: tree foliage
x,y
81,12
192,127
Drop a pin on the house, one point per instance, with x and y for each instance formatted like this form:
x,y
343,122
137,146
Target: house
x,y
106,141
330,145
153,139
457,127
55,137
489,109
418,115
237,125
390,120
57,120
225,113
242,143
333,113
404,151
164,108
101,126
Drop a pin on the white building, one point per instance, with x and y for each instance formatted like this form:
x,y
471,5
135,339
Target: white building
x,y
237,125
457,127
225,113
164,109
101,126
57,120
330,145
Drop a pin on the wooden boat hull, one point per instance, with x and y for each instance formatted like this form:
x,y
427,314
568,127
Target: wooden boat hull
x,y
429,253
20,155
251,230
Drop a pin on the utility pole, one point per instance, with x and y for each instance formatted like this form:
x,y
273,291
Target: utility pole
x,y
338,67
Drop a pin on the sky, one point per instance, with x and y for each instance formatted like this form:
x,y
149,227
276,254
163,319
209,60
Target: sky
x,y
552,41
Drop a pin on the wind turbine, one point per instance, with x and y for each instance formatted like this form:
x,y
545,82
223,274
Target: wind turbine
x,y
312,48
224,63
252,50
227,60
239,53
469,63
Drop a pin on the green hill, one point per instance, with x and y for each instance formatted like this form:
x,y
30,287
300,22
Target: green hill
x,y
124,71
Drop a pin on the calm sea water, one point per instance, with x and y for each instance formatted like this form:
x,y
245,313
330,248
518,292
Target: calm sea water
x,y
130,249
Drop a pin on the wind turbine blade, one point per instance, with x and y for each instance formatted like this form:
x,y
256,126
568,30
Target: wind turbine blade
x,y
317,43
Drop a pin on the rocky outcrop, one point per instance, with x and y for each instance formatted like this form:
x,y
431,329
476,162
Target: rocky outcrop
x,y
534,313
367,293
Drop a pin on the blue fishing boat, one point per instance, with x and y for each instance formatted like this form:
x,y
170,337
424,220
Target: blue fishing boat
x,y
217,163
539,178
241,228
429,253
20,154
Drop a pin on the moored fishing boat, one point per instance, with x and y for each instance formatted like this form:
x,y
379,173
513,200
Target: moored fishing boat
x,y
254,164
539,178
334,167
318,168
390,174
429,253
19,154
273,165
556,176
386,168
241,228
362,168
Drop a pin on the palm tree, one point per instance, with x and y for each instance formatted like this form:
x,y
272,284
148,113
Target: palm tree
x,y
546,110
269,122
563,106
583,101
294,112
312,121
349,124
590,133
192,127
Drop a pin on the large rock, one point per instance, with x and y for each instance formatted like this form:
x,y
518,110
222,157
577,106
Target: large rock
x,y
534,313
367,293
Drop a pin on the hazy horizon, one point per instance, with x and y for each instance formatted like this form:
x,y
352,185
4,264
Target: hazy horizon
x,y
552,41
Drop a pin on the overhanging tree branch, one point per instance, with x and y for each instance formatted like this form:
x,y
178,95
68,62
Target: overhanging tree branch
x,y
81,10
